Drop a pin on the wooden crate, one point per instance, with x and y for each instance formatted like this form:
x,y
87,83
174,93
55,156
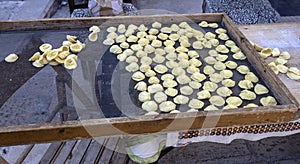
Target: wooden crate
x,y
68,130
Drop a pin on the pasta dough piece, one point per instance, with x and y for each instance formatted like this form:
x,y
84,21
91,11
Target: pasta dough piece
x,y
199,77
251,77
169,83
275,52
282,68
195,84
169,43
167,106
150,106
211,108
197,45
245,84
220,31
108,42
138,76
156,25
223,36
184,25
192,69
222,49
171,92
210,60
142,27
136,47
149,49
213,25
70,63
151,37
192,110
239,56
195,104
206,44
224,91
11,58
132,39
160,51
228,83
294,70
208,70
132,59
160,97
144,96
45,47
185,43
280,61
156,43
193,54
171,56
124,45
94,29
171,64
76,48
163,36
260,89
169,49
35,56
210,86
247,95
231,64
166,30
243,69
175,111
178,71
153,80
222,58
141,86
235,49
217,101
111,29
129,32
234,100
268,101
140,53
160,69
230,107
180,99
195,62
71,38
186,90
230,43
175,27
210,35
112,35
219,66
132,67
153,31
215,77
184,63
213,53
251,105
204,94
128,52
144,68
174,37
115,49
214,42
93,36
159,59
154,88
203,24
226,74
167,76
151,113
183,79
285,55
146,60
150,73
143,41
293,76
266,52
181,49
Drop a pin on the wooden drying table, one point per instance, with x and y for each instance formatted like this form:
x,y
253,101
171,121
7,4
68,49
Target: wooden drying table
x,y
286,37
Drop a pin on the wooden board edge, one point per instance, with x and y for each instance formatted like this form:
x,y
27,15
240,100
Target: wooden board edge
x,y
70,130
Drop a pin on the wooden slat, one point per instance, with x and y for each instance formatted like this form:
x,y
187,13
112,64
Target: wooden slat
x,y
79,152
64,153
109,150
52,151
93,151
120,156
3,161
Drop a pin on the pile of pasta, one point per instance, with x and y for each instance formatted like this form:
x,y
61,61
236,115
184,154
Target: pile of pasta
x,y
165,63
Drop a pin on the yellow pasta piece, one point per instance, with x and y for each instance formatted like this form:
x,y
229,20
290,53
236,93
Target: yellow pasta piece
x,y
70,38
220,31
199,77
174,37
260,89
144,96
167,76
213,53
76,48
150,73
163,36
228,83
70,63
219,66
223,36
154,88
213,25
153,80
215,77
285,55
251,77
239,56
178,71
210,60
282,68
203,24
169,49
156,43
180,99
153,31
138,76
144,68
230,107
186,90
251,105
245,84
226,74
266,52
169,43
121,28
231,64
274,67
275,52
50,55
195,84
93,36
136,47
111,29
192,69
235,49
184,63
141,86
156,25
35,56
294,70
214,42
185,43
210,35
160,69
171,92
230,43
217,101
243,69
171,64
167,106
197,45
204,94
182,49
222,49
247,95
234,100
171,56
175,27
193,54
268,101
108,42
208,70
211,108
293,76
150,106
166,30
132,67
169,83
37,64
183,79
224,91
195,104
161,97
11,58
210,86
45,47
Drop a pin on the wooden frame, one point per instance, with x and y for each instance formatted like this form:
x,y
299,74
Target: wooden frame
x,y
68,130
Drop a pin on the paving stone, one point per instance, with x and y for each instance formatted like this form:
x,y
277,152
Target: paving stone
x,y
205,152
290,161
245,12
276,148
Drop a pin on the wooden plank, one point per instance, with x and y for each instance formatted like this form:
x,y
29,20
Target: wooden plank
x,y
64,153
93,151
51,152
120,155
3,161
284,36
109,150
79,152
70,130
36,153
71,23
